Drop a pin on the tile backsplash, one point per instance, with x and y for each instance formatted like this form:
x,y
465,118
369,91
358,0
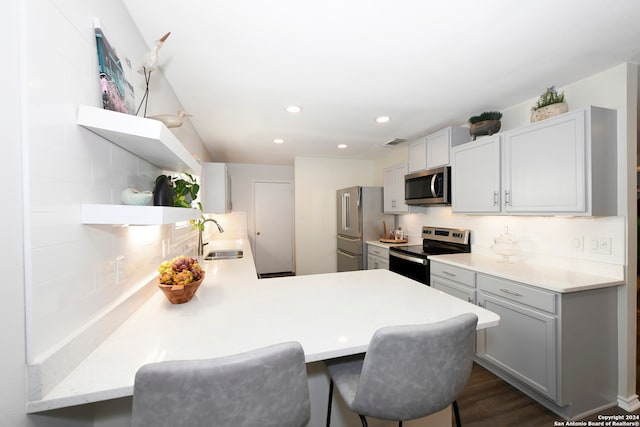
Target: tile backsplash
x,y
76,272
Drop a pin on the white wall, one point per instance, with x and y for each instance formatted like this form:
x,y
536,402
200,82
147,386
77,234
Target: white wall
x,y
69,268
317,180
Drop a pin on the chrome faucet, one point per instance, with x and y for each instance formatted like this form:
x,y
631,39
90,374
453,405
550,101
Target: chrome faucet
x,y
200,243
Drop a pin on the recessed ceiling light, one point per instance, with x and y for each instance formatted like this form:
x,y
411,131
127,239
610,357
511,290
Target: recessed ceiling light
x,y
293,109
342,146
278,141
383,119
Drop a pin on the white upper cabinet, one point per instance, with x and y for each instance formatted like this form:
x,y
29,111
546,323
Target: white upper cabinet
x,y
475,176
216,188
417,155
432,151
394,189
565,165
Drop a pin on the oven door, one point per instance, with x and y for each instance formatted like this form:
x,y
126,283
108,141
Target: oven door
x,y
415,268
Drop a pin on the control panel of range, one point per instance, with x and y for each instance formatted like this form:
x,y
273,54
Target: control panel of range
x,y
452,235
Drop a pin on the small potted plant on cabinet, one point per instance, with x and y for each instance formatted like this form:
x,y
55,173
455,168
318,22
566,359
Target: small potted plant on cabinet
x,y
486,123
550,104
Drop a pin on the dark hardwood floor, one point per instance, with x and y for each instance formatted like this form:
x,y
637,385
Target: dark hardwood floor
x,y
489,401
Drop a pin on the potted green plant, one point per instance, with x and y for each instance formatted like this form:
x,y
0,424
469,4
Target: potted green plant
x,y
549,104
486,123
184,188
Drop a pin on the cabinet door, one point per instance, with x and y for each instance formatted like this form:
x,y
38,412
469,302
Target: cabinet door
x,y
418,155
375,262
398,176
523,345
438,148
389,191
475,176
393,201
544,166
216,188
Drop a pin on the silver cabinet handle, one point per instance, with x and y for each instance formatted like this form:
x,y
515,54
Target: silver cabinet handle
x,y
448,274
510,292
480,304
469,299
507,198
495,198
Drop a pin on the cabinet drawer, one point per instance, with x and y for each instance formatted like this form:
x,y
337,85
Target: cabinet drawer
x,y
522,294
378,251
461,275
454,289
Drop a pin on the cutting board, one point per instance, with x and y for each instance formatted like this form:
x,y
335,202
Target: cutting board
x,y
393,240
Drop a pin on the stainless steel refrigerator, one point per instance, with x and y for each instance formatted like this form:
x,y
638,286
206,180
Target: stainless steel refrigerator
x,y
360,217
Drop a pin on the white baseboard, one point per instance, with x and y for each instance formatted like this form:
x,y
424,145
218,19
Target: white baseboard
x,y
630,403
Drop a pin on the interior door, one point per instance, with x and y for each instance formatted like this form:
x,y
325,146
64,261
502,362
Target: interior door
x,y
273,239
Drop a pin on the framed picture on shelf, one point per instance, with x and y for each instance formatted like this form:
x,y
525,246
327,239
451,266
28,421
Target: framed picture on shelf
x,y
117,93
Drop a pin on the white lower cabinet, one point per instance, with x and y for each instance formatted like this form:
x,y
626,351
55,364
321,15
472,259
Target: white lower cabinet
x,y
524,345
453,281
558,348
377,257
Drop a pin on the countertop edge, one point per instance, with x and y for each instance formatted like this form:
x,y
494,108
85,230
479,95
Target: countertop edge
x,y
488,265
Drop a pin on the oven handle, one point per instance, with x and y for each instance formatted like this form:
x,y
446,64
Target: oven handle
x,y
408,258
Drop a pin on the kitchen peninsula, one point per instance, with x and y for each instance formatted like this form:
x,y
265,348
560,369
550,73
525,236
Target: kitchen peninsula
x,y
331,315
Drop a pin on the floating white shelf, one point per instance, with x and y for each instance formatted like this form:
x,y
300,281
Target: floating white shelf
x,y
148,139
135,215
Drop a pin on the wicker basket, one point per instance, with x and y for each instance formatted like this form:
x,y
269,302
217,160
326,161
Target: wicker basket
x,y
178,294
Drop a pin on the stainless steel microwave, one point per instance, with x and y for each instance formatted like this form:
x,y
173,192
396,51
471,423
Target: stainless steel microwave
x,y
428,187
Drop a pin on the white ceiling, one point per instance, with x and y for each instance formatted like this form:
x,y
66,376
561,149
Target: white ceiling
x,y
235,65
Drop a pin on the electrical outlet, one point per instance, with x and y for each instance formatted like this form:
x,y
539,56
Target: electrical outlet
x,y
117,263
599,245
577,244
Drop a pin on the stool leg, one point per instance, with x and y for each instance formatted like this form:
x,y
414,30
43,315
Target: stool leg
x,y
330,400
456,412
363,420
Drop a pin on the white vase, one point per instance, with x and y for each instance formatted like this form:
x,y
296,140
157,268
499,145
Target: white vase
x,y
549,111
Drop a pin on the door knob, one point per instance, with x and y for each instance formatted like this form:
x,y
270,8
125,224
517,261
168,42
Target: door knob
x,y
257,233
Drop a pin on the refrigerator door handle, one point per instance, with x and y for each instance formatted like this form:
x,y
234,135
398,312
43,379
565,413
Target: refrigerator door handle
x,y
342,253
346,211
348,239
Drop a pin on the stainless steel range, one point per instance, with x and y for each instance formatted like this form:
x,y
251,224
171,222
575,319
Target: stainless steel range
x,y
411,261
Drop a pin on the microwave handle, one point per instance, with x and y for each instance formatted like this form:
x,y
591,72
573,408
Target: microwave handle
x,y
434,193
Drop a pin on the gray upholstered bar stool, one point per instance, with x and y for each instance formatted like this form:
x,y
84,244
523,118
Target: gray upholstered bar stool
x,y
264,387
408,371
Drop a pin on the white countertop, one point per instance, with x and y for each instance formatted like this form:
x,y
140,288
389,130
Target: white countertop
x,y
331,315
555,279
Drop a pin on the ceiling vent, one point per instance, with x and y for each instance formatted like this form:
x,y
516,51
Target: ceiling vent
x,y
393,142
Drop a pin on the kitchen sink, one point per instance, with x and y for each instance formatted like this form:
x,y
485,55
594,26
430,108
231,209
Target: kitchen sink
x,y
224,254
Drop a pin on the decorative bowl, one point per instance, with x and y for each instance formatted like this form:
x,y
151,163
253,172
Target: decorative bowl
x,y
179,294
131,196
